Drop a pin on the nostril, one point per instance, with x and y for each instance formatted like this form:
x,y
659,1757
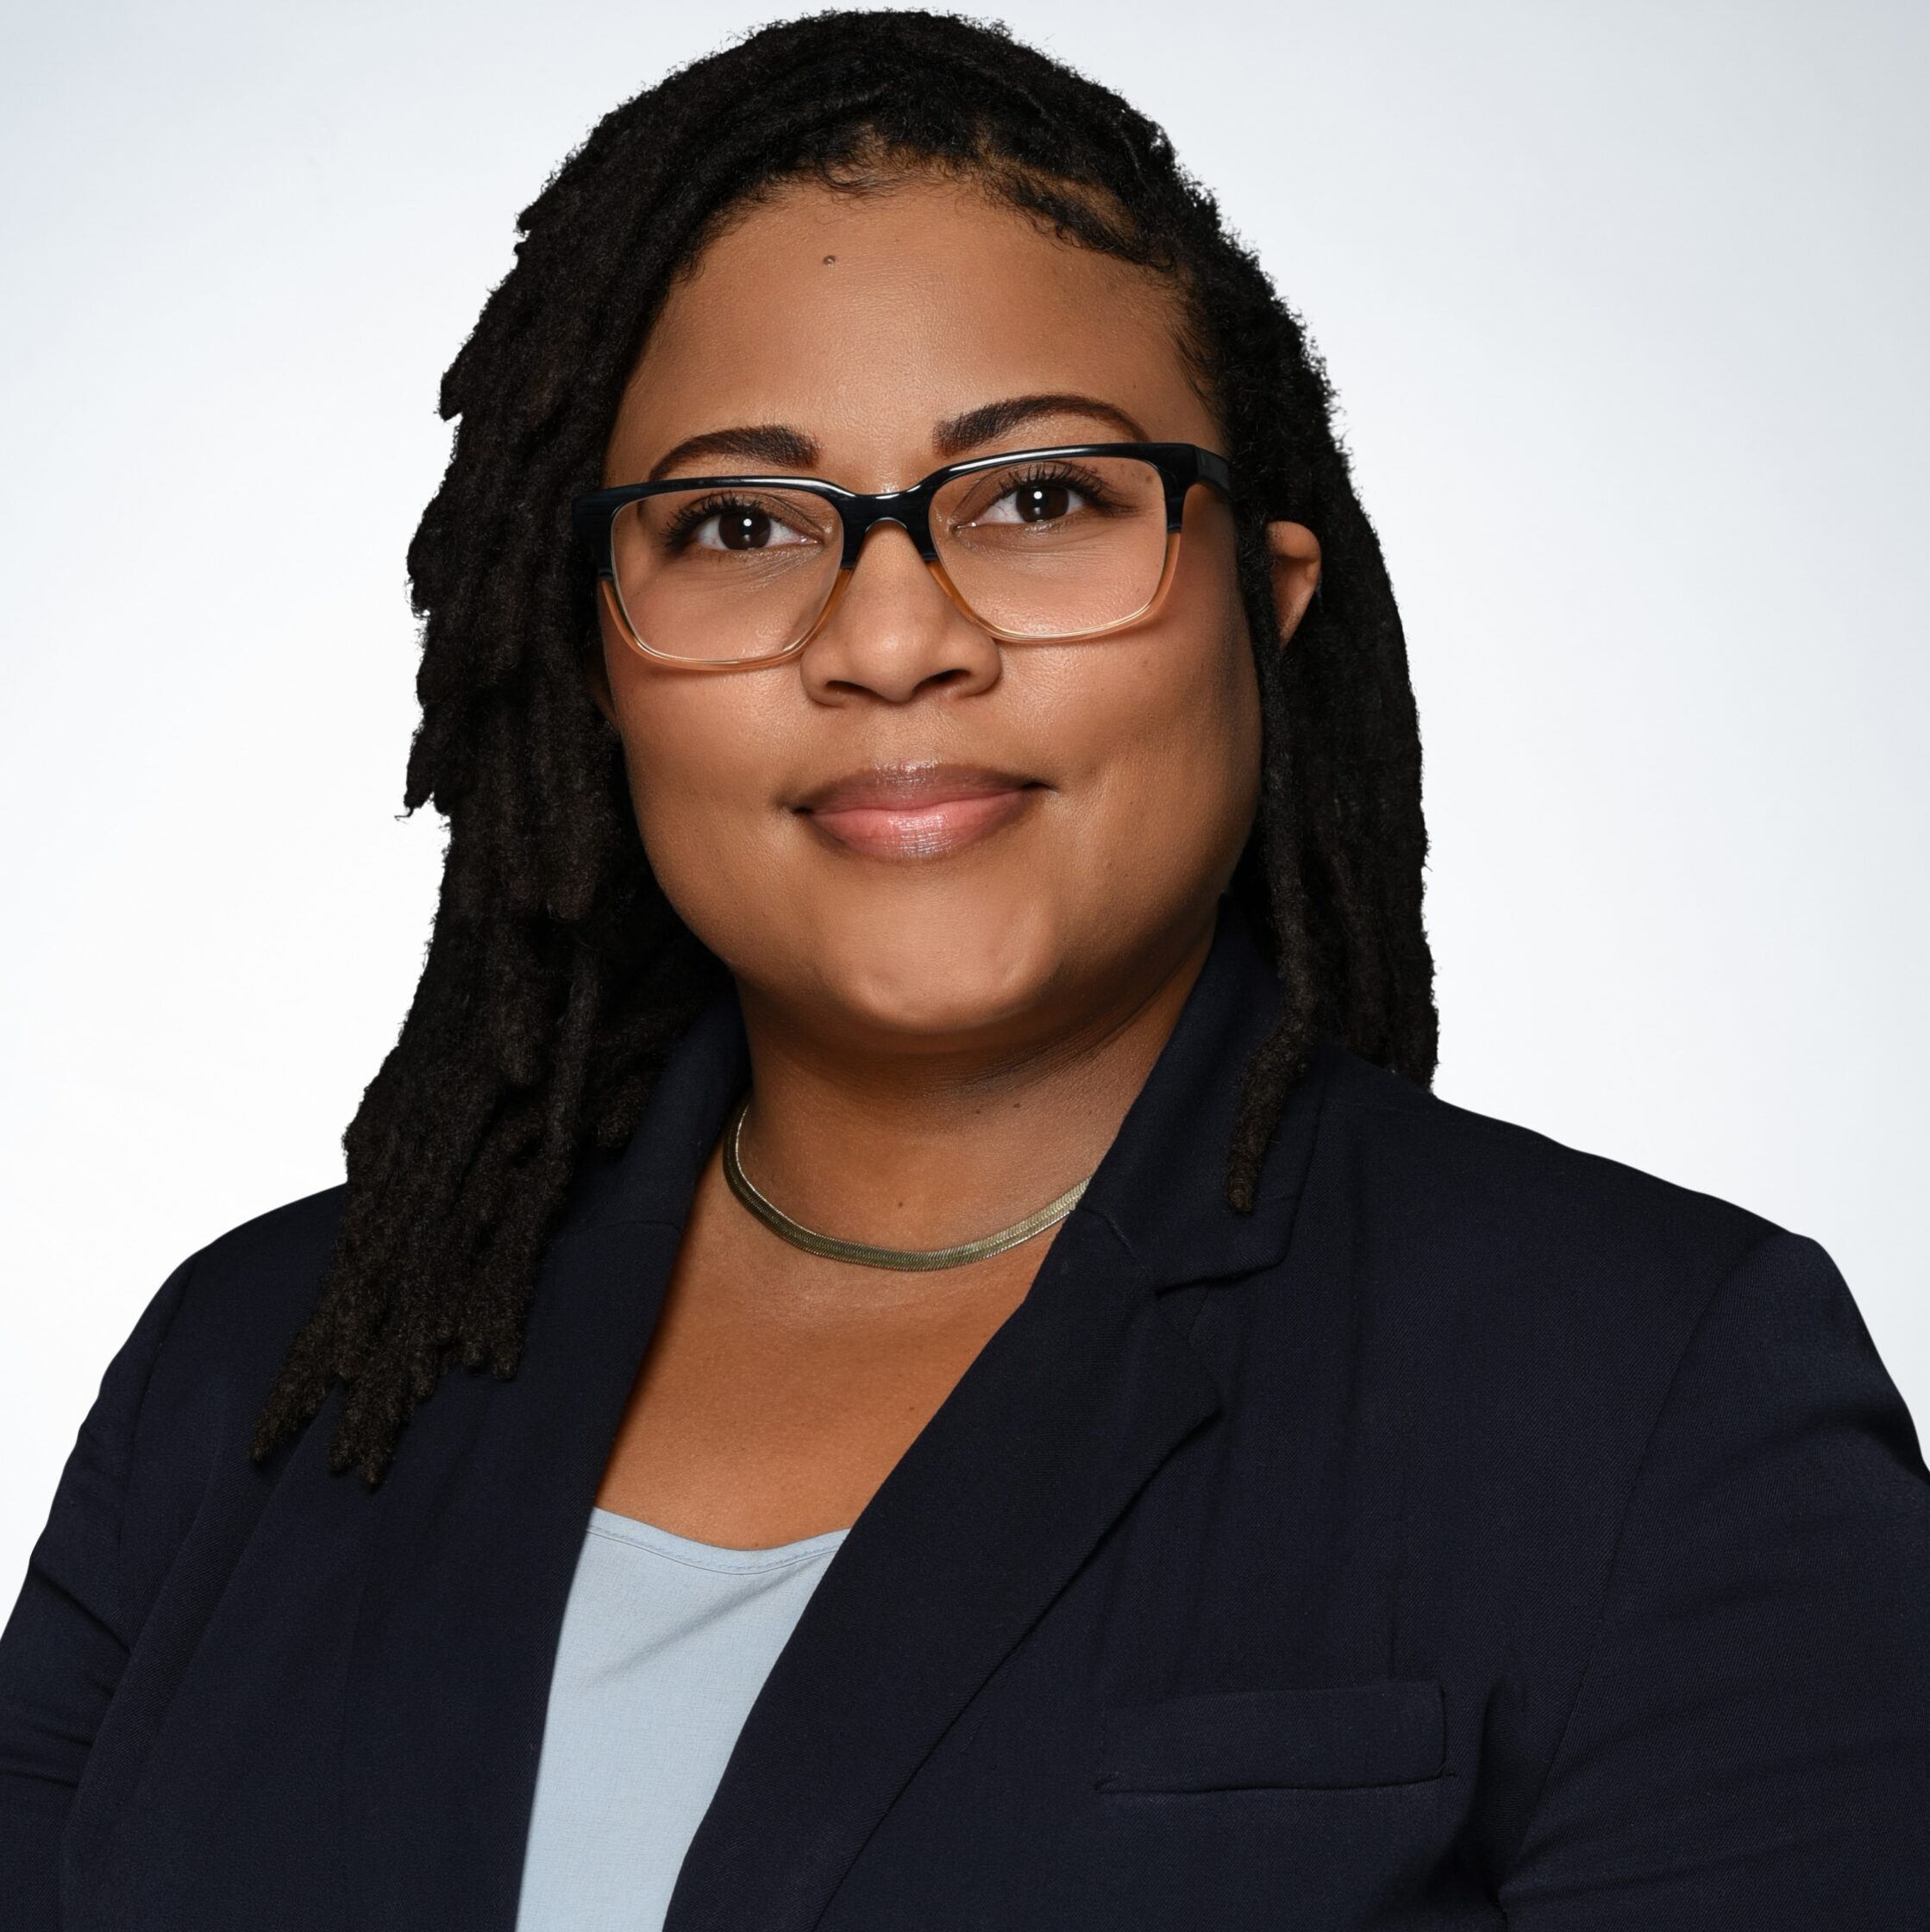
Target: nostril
x,y
952,677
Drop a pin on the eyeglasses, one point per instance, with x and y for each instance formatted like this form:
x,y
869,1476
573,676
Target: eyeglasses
x,y
1032,545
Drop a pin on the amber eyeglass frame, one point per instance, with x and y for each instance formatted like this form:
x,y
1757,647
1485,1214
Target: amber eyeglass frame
x,y
1180,465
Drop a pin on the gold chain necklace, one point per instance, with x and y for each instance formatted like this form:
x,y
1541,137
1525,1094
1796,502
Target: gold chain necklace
x,y
915,1259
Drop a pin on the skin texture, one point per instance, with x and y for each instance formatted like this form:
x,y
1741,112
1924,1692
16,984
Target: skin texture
x,y
941,1038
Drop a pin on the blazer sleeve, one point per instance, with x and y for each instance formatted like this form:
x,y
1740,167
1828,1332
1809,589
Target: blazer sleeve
x,y
67,1641
1749,1749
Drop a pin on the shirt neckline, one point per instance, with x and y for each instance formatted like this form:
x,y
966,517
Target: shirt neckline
x,y
609,1524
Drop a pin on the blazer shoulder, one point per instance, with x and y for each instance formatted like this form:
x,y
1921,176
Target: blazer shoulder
x,y
265,1270
292,1230
239,1302
1540,1303
1491,1186
171,1427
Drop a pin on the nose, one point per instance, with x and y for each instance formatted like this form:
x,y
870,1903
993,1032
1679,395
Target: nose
x,y
893,635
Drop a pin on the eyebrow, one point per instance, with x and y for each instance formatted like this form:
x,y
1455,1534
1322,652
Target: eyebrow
x,y
958,434
772,444
790,449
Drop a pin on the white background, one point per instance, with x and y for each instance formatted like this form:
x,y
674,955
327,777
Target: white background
x,y
1627,307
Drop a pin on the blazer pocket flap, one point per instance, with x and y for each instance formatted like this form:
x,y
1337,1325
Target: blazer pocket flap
x,y
1349,1735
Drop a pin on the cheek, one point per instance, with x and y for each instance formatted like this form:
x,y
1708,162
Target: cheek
x,y
1175,734
698,756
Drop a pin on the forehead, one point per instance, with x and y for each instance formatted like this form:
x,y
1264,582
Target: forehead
x,y
864,320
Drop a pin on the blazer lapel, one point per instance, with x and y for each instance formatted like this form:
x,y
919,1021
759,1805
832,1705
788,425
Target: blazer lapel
x,y
1066,1412
1079,1396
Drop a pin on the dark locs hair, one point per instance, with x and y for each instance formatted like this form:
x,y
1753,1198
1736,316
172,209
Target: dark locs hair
x,y
558,977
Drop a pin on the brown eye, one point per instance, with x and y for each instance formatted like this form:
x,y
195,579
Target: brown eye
x,y
707,524
743,530
1036,500
1039,503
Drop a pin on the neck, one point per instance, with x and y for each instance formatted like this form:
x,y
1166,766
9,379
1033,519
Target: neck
x,y
902,1148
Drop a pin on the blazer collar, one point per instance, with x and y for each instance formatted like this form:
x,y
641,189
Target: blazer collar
x,y
1162,1187
1081,1395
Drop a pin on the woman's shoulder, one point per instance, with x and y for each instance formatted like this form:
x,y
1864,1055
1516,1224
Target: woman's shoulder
x,y
1525,1272
1490,1188
1545,1294
1588,1346
176,1406
254,1283
205,1350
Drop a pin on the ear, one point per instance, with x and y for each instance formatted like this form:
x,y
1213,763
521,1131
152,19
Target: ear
x,y
1295,553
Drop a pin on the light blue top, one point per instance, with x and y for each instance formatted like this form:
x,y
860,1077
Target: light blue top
x,y
665,1646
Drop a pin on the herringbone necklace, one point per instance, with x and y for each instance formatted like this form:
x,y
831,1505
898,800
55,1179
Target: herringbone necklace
x,y
865,1256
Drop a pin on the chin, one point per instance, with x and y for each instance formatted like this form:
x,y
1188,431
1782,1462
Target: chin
x,y
935,983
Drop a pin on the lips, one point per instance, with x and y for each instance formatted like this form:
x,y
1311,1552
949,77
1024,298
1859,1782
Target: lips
x,y
918,811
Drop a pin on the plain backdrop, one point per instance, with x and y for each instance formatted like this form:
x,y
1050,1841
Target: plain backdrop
x,y
1627,307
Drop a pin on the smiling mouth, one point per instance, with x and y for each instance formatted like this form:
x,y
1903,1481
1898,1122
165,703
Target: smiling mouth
x,y
918,811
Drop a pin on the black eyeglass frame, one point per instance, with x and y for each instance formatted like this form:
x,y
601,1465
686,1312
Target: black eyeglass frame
x,y
1181,465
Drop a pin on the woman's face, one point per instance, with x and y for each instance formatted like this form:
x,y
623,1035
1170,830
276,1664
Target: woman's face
x,y
910,838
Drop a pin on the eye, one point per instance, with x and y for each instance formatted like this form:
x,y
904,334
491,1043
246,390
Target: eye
x,y
733,523
1035,499
1039,497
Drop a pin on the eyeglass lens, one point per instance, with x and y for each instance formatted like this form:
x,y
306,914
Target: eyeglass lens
x,y
1044,548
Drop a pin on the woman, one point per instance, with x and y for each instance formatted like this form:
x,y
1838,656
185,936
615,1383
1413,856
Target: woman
x,y
1007,1401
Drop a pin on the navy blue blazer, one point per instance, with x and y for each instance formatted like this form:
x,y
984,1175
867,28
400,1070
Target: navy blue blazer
x,y
1480,1534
